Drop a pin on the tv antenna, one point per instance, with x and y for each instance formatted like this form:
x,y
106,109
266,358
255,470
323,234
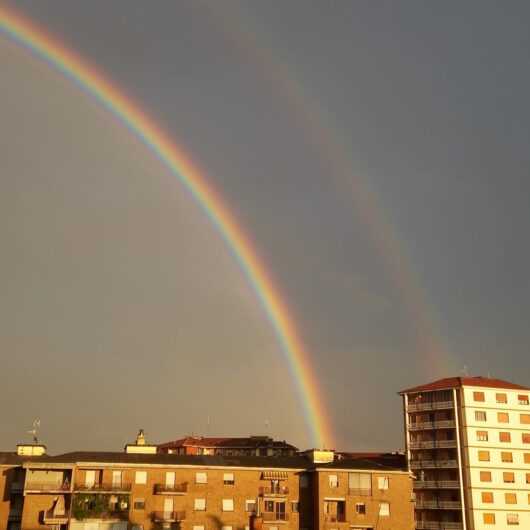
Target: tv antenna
x,y
36,425
464,372
266,427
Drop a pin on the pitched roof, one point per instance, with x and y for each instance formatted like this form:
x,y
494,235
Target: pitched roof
x,y
458,382
362,463
228,443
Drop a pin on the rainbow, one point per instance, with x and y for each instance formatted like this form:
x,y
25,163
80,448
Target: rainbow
x,y
33,39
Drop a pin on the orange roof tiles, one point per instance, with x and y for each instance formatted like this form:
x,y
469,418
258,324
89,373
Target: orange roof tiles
x,y
458,382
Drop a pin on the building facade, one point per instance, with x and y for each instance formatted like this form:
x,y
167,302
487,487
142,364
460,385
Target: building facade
x,y
468,446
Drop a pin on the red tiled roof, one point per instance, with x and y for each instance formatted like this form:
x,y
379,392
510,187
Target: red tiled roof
x,y
458,382
232,443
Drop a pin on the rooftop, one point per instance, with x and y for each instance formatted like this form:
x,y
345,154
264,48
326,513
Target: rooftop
x,y
459,382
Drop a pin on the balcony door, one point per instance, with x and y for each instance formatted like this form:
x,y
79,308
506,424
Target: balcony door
x,y
90,478
170,480
116,479
168,507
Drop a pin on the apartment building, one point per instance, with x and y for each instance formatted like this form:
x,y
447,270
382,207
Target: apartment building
x,y
468,445
140,489
249,446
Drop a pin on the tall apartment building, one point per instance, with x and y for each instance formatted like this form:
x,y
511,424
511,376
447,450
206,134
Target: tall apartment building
x,y
468,445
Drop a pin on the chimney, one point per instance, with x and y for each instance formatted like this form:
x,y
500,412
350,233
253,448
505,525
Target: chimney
x,y
140,447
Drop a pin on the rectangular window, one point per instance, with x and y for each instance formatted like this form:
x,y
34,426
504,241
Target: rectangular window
x,y
480,415
140,477
269,506
487,497
485,476
201,478
489,518
527,458
228,505
508,477
501,398
525,437
525,418
528,478
512,518
228,479
250,505
510,498
360,508
139,504
382,483
294,506
333,481
197,527
384,509
502,417
478,396
360,483
200,505
484,456
506,457
505,437
482,436
522,399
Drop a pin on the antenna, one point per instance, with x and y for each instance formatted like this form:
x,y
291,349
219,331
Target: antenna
x,y
464,372
36,425
266,427
208,423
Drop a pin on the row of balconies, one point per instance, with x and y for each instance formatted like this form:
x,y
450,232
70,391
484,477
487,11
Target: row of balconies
x,y
424,425
418,464
432,444
431,405
438,525
435,484
437,505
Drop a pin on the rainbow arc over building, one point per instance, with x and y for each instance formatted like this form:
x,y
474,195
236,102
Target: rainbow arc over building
x,y
20,30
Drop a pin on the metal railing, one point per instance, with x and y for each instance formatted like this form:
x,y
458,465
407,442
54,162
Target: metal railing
x,y
432,444
438,505
48,486
171,488
275,516
169,516
436,484
335,518
436,525
417,464
111,487
424,425
432,405
280,491
55,517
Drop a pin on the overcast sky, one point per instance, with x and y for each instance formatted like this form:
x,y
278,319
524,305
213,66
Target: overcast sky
x,y
376,153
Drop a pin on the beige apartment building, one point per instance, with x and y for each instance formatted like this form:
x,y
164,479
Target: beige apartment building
x,y
468,446
140,489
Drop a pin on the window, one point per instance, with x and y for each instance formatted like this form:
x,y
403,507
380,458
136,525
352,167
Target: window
x,y
501,398
487,497
512,518
383,483
139,504
228,505
484,456
226,527
505,437
360,508
510,498
509,477
502,417
200,505
333,481
478,396
522,399
482,436
489,518
250,505
527,458
525,437
140,477
384,508
525,418
360,483
480,415
294,506
196,527
528,478
201,478
485,476
228,479
506,457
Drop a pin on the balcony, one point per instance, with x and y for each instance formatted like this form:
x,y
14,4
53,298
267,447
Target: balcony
x,y
360,492
278,491
419,464
435,525
335,518
426,425
274,516
171,489
432,444
432,405
168,517
48,487
437,505
110,487
436,484
54,517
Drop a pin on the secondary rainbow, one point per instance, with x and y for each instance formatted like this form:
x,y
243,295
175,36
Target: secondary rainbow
x,y
32,38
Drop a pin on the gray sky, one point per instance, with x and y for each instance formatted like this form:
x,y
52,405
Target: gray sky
x,y
122,308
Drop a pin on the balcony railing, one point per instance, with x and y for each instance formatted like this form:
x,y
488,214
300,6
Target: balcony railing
x,y
105,487
279,491
275,516
418,464
365,492
438,505
425,425
435,484
432,405
53,517
49,487
168,517
335,518
432,444
435,525
171,489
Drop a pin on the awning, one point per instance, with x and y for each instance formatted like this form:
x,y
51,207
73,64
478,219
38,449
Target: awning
x,y
273,475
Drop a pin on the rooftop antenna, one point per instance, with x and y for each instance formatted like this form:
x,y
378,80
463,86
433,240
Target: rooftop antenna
x,y
36,425
266,427
464,372
208,429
